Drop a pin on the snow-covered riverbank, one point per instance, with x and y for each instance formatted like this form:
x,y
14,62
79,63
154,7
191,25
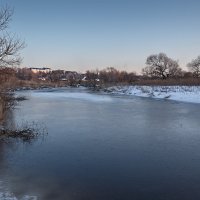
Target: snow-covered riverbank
x,y
179,93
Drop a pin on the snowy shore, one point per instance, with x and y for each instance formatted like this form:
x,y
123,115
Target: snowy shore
x,y
178,93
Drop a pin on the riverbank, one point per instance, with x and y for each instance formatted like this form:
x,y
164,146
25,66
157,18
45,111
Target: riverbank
x,y
178,93
30,85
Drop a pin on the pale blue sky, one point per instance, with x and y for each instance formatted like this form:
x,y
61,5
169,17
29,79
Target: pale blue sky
x,y
90,34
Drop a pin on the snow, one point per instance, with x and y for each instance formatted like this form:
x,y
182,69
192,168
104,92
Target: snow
x,y
178,93
5,194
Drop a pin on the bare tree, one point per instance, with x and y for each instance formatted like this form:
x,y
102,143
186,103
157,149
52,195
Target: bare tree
x,y
9,45
148,72
194,67
92,77
161,66
174,70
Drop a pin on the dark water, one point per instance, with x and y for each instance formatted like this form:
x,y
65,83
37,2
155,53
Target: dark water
x,y
104,147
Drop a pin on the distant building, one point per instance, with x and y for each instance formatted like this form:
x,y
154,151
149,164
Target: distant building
x,y
41,70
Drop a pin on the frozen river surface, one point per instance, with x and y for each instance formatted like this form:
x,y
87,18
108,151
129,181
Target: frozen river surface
x,y
103,147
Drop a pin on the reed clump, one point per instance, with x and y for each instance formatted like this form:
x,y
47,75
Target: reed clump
x,y
25,132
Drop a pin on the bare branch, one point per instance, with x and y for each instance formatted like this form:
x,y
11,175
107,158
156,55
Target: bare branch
x,y
9,45
5,17
9,51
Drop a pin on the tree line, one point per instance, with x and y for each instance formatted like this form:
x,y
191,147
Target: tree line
x,y
161,66
109,75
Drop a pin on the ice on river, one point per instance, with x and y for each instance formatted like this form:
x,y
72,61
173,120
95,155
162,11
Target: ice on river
x,y
74,95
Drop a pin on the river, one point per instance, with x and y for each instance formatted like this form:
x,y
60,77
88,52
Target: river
x,y
103,147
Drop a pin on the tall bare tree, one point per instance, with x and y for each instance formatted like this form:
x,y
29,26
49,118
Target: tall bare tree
x,y
161,66
9,44
194,67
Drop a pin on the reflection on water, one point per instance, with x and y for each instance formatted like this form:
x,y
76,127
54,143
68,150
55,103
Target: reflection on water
x,y
7,192
6,115
1,109
104,147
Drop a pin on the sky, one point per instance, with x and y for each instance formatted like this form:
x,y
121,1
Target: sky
x,y
95,34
